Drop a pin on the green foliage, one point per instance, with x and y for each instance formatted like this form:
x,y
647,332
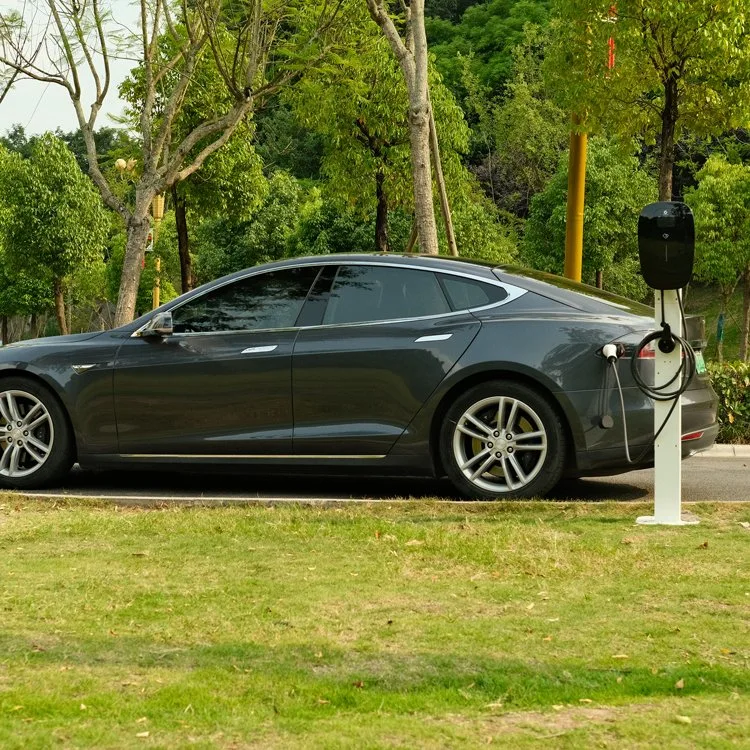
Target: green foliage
x,y
283,143
328,227
448,10
480,234
517,141
224,245
701,43
721,204
55,222
617,188
731,381
16,140
487,34
360,108
22,293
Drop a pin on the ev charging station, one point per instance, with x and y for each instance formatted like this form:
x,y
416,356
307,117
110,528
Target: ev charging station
x,y
666,244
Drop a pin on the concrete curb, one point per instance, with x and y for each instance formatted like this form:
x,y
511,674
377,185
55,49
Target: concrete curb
x,y
727,451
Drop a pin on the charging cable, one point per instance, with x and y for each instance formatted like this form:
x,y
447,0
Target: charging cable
x,y
668,341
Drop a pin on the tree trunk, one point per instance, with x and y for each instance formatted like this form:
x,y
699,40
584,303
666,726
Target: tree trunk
x,y
4,332
668,126
600,279
138,229
62,320
419,127
424,211
444,204
745,334
412,238
411,54
183,240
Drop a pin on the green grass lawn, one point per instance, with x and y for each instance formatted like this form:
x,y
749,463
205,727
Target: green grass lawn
x,y
560,625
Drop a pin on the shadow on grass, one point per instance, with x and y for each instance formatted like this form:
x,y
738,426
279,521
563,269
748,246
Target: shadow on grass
x,y
362,680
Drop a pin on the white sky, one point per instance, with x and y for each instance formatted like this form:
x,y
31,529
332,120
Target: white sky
x,y
38,106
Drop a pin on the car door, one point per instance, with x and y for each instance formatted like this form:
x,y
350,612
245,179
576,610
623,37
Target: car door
x,y
386,339
220,385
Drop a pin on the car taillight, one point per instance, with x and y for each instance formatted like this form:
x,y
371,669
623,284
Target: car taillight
x,y
648,351
693,436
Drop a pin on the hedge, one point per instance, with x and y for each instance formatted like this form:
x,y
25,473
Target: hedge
x,y
731,381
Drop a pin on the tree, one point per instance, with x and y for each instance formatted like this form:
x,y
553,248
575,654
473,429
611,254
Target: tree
x,y
231,181
411,53
55,220
721,203
521,137
360,108
21,294
485,36
258,46
617,188
678,65
226,245
449,10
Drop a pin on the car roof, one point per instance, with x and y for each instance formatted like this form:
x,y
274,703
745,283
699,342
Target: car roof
x,y
435,262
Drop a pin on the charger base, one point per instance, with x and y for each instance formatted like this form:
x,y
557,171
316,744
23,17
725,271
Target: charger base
x,y
686,519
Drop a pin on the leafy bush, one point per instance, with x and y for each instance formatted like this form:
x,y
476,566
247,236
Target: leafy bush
x,y
731,381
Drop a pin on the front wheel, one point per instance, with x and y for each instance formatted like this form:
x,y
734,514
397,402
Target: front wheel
x,y
35,441
502,440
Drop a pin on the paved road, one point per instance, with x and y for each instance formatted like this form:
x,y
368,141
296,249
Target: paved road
x,y
705,478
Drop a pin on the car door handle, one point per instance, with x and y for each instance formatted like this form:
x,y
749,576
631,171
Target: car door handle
x,y
260,349
434,337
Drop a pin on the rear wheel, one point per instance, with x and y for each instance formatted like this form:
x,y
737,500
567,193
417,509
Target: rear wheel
x,y
35,441
502,440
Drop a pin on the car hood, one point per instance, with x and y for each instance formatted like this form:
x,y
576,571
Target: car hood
x,y
75,338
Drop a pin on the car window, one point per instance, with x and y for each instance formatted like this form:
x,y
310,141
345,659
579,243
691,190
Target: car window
x,y
370,293
464,294
267,300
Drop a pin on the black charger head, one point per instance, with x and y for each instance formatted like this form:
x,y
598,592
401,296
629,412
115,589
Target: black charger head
x,y
666,244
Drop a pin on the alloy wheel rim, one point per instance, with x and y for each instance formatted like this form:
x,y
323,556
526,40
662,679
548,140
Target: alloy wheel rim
x,y
26,434
500,444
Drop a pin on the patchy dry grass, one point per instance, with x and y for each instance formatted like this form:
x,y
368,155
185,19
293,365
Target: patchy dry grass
x,y
390,625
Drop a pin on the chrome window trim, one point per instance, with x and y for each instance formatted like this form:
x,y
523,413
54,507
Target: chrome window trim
x,y
513,293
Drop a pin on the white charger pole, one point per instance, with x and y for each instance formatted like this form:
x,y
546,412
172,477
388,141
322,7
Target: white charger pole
x,y
668,446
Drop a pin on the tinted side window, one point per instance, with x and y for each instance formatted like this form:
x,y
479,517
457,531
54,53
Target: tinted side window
x,y
369,293
467,293
268,300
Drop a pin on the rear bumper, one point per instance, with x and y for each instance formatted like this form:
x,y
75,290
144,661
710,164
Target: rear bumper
x,y
603,451
612,461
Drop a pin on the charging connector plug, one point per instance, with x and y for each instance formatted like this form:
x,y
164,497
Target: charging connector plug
x,y
610,353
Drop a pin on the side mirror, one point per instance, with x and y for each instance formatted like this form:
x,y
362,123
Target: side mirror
x,y
666,244
160,325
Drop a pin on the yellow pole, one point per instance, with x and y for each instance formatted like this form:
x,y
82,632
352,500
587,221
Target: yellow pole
x,y
157,211
576,196
157,283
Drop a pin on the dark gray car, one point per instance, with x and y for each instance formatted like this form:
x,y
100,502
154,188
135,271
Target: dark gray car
x,y
365,364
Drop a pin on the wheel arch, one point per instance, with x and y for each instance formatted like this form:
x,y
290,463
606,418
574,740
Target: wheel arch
x,y
476,378
12,372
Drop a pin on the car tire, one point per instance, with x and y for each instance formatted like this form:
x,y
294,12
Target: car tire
x,y
502,440
36,443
